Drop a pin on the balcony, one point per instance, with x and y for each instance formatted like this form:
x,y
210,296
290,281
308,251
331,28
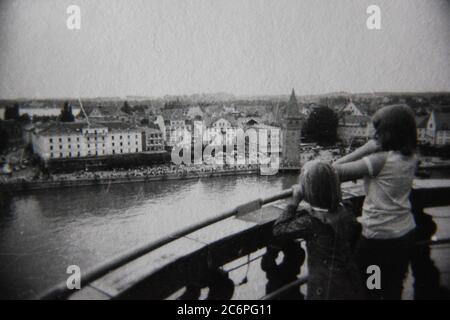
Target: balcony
x,y
233,256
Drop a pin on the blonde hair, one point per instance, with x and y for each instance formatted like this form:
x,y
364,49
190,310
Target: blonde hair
x,y
320,185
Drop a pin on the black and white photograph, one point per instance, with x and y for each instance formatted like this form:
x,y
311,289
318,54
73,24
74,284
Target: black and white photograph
x,y
252,150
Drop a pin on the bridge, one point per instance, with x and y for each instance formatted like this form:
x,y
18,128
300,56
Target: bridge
x,y
233,255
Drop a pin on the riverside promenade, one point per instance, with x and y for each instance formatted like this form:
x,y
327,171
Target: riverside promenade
x,y
123,176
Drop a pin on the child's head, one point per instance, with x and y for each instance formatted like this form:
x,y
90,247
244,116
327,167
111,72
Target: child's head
x,y
395,129
320,185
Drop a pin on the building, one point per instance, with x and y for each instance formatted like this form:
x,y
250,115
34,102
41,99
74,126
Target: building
x,y
352,109
354,128
221,131
79,140
438,128
39,109
267,139
175,125
152,140
291,133
103,113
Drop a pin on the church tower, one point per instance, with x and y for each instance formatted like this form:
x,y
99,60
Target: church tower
x,y
290,133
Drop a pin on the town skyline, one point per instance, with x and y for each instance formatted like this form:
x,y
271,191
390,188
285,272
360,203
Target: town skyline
x,y
231,96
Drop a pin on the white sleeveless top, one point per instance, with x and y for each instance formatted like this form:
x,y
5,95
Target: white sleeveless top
x,y
386,210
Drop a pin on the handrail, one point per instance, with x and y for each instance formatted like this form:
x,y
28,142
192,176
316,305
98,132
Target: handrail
x,y
61,291
300,281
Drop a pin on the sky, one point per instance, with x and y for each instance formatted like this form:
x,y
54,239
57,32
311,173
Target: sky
x,y
251,47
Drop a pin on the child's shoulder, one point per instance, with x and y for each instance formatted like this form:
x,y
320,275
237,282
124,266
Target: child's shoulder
x,y
306,217
303,212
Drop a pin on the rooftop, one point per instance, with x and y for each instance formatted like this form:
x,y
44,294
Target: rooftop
x,y
66,128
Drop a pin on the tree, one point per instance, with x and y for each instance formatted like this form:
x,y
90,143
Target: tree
x,y
66,113
126,108
321,126
4,139
25,118
12,113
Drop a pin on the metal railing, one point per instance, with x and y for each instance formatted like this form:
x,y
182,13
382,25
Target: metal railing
x,y
61,290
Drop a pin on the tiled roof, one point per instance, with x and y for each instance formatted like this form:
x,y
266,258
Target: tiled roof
x,y
64,128
421,121
442,120
350,119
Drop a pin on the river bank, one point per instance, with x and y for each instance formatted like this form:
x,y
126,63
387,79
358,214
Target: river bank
x,y
24,185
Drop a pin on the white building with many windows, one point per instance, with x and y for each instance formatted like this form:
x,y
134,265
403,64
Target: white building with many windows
x,y
78,139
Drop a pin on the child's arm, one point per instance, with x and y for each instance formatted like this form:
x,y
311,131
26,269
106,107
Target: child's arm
x,y
289,224
371,146
369,166
292,225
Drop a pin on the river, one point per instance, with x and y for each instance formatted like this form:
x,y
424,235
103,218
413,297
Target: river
x,y
42,232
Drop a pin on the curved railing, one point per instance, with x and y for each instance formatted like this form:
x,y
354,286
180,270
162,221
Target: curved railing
x,y
196,257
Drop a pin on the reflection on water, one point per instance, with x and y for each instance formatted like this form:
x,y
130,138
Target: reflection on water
x,y
43,232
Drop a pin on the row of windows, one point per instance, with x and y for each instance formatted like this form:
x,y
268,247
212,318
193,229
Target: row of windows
x,y
155,148
69,139
78,154
154,141
121,137
90,145
121,143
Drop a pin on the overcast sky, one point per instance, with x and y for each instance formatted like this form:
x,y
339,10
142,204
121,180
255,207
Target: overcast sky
x,y
247,47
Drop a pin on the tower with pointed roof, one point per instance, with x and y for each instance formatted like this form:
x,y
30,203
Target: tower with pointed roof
x,y
291,133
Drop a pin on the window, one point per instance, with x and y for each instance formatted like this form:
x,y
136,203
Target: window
x,y
68,139
121,151
113,144
61,154
78,139
112,137
137,150
70,154
60,140
114,151
51,147
78,153
51,140
51,155
121,137
60,147
121,144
